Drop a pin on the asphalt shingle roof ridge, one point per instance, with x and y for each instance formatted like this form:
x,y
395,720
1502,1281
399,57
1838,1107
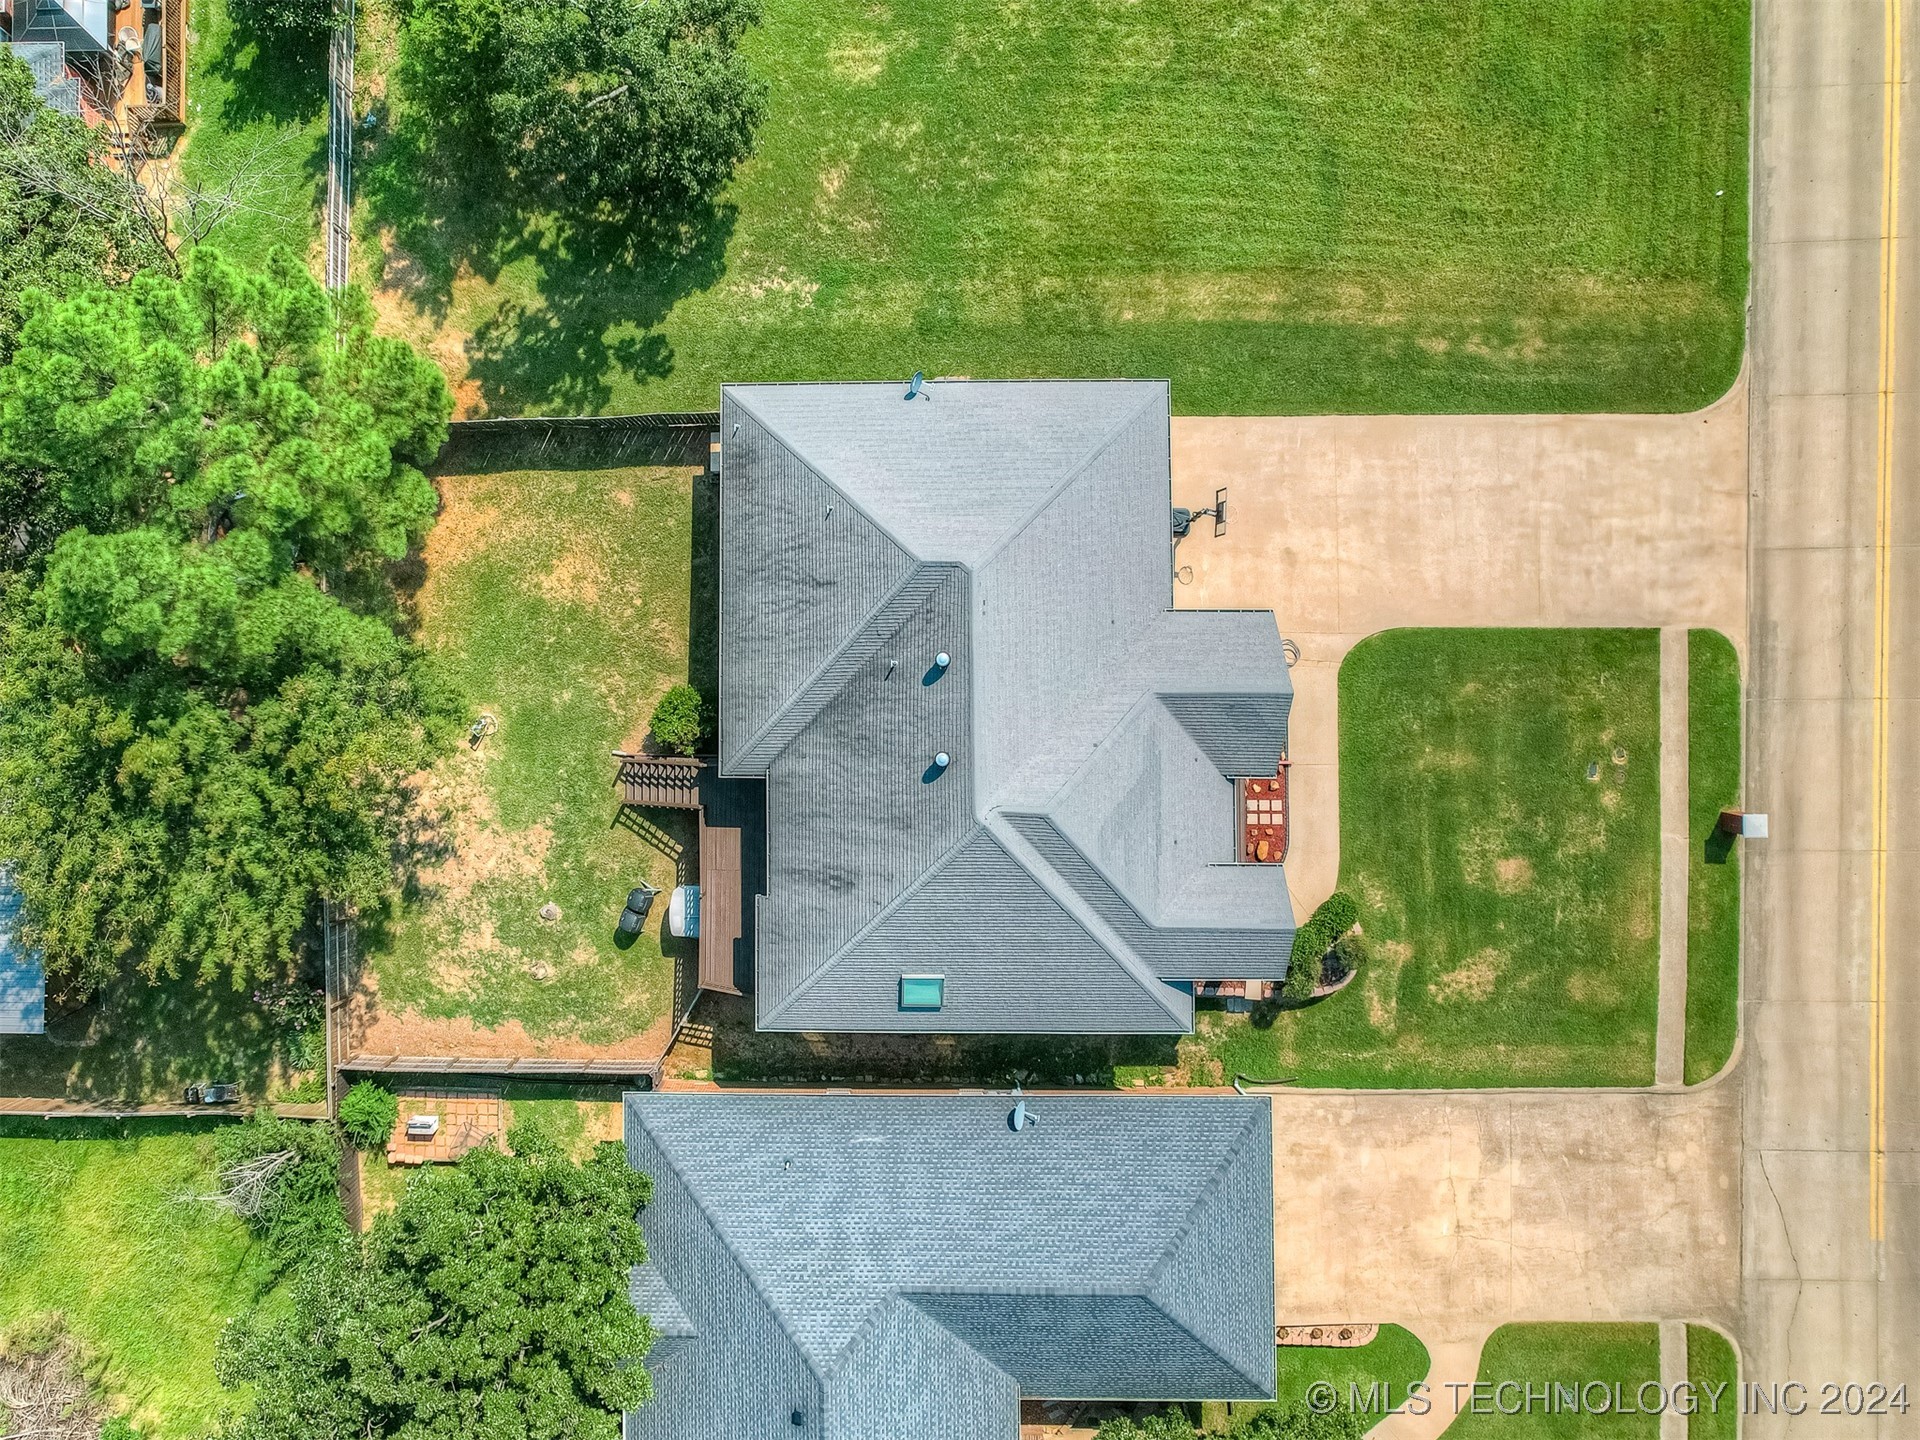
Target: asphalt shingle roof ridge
x,y
720,1233
1099,448
914,574
1208,1192
1061,891
919,882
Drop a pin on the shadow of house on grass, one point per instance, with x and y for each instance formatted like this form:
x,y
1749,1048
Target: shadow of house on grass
x,y
745,1055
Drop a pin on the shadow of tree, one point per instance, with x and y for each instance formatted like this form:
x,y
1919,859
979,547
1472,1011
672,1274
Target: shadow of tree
x,y
141,1041
599,288
603,293
275,79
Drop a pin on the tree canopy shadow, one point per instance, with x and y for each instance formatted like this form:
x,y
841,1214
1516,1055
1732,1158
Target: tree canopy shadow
x,y
277,79
442,209
603,294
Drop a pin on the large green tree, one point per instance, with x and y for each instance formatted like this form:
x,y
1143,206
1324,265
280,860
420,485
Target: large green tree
x,y
64,216
629,109
490,1304
206,713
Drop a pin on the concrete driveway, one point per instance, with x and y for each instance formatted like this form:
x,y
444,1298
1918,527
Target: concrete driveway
x,y
1451,1213
1347,525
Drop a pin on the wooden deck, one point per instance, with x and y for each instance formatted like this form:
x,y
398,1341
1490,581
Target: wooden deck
x,y
730,845
721,910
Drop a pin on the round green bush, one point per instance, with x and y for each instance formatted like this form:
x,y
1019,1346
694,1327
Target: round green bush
x,y
677,720
367,1115
1311,942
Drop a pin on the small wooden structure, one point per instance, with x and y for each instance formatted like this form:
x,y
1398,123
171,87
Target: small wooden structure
x,y
721,904
660,782
669,782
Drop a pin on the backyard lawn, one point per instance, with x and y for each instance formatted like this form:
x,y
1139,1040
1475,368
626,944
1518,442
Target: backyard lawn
x,y
260,114
139,1042
1498,205
1499,827
97,1229
1572,1355
1713,866
558,601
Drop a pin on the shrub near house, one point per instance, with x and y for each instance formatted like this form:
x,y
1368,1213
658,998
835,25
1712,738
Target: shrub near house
x,y
1311,942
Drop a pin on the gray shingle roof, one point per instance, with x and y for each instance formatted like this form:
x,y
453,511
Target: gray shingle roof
x,y
890,1266
1022,528
47,59
23,982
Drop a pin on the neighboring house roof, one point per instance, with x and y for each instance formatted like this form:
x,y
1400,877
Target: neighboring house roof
x,y
84,26
888,1266
1077,853
47,59
23,982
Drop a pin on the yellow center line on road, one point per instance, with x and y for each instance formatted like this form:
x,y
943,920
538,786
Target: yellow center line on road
x,y
1882,627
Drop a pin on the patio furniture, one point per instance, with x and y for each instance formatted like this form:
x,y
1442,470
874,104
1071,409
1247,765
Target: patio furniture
x,y
639,904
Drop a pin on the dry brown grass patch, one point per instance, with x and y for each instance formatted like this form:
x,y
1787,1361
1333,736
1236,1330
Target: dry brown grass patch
x,y
1473,980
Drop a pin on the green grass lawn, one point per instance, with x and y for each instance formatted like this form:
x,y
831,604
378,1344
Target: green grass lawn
x,y
1393,1360
1713,866
139,1042
96,1229
1541,1355
1499,827
1711,1362
559,601
259,114
1324,205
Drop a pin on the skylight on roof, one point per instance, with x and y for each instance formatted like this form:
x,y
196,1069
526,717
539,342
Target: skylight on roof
x,y
922,992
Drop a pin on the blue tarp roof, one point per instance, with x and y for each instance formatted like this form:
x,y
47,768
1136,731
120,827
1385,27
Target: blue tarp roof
x,y
23,981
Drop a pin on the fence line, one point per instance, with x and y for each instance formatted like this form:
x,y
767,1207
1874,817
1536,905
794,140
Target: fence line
x,y
521,1067
670,438
340,146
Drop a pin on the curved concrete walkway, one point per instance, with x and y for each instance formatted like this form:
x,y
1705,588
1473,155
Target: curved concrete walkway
x,y
1453,1362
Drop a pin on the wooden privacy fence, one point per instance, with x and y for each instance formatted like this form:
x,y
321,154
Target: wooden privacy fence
x,y
682,437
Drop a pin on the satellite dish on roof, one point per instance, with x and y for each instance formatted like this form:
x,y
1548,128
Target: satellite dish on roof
x,y
917,387
1019,1119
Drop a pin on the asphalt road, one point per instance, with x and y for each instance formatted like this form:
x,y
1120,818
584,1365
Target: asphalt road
x,y
1831,1072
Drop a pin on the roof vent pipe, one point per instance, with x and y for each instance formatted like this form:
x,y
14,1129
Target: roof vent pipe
x,y
942,760
942,660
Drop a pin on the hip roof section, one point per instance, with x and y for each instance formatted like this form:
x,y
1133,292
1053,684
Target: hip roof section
x,y
1020,529
895,1262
